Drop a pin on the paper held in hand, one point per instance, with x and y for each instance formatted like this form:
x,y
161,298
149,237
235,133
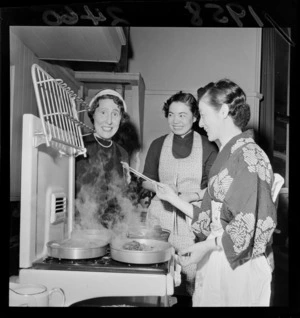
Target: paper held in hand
x,y
127,167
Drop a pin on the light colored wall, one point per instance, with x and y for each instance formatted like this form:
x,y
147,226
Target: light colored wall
x,y
173,59
22,101
169,60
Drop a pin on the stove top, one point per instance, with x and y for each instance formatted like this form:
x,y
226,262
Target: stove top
x,y
101,264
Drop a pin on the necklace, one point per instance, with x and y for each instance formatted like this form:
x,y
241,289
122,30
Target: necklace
x,y
102,144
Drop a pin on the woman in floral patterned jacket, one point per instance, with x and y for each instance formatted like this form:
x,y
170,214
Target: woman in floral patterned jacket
x,y
237,218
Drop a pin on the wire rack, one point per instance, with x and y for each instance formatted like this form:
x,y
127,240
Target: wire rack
x,y
59,116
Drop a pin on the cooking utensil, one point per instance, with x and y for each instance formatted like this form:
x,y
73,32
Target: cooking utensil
x,y
175,223
160,251
76,249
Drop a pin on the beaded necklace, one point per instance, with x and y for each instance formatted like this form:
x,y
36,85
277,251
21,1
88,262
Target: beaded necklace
x,y
102,144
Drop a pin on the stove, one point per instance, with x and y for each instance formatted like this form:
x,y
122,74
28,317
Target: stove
x,y
83,280
101,264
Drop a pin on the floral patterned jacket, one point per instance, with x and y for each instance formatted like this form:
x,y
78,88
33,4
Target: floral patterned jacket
x,y
241,180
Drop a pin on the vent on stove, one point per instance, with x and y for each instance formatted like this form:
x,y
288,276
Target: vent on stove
x,y
58,207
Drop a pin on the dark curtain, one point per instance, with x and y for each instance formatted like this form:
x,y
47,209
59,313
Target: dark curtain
x,y
266,121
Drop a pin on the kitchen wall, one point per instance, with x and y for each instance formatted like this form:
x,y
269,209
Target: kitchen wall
x,y
23,101
169,60
173,59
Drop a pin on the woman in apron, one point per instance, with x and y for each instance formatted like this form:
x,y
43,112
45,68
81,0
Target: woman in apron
x,y
237,216
181,159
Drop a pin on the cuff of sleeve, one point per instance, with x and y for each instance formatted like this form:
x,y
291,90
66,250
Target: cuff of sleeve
x,y
198,195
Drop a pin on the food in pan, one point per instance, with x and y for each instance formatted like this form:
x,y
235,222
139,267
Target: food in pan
x,y
137,246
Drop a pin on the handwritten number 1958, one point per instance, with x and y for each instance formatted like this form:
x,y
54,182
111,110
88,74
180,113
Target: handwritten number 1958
x,y
235,10
195,9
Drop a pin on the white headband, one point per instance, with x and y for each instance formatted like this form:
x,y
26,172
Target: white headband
x,y
108,92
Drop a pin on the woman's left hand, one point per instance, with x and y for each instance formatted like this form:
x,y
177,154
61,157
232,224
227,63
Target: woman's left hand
x,y
194,253
185,197
126,171
165,192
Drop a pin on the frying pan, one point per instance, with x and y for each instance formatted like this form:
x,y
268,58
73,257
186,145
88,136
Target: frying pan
x,y
159,251
76,249
83,244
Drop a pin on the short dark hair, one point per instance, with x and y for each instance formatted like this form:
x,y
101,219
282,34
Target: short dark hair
x,y
185,98
117,101
227,92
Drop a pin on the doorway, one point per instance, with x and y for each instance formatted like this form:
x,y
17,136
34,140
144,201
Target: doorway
x,y
274,126
274,138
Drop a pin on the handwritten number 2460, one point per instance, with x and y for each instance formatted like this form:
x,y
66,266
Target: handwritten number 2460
x,y
50,17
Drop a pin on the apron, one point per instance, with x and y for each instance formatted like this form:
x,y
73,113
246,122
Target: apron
x,y
217,284
186,174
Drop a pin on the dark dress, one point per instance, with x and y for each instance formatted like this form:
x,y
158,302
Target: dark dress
x,y
100,184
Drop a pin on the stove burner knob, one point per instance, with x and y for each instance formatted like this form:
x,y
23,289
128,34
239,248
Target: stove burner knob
x,y
105,259
48,260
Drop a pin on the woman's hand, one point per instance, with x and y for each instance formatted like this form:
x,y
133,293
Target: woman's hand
x,y
126,171
194,253
165,192
192,196
186,197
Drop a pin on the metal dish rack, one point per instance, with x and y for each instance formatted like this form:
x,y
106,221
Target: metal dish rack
x,y
59,116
